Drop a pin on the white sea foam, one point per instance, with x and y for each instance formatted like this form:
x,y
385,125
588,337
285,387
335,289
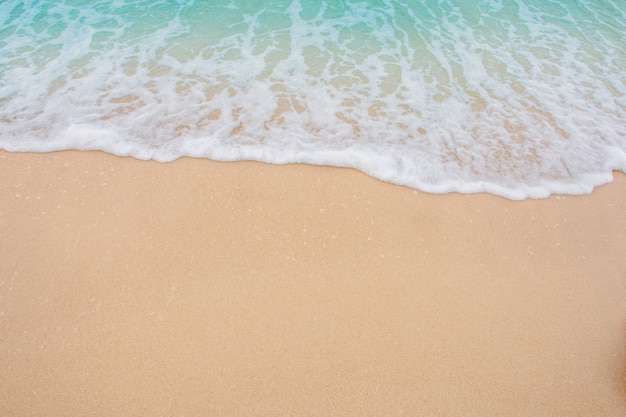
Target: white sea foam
x,y
517,98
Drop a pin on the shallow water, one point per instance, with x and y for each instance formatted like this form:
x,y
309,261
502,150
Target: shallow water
x,y
518,98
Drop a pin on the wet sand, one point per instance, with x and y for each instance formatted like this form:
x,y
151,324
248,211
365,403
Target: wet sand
x,y
134,288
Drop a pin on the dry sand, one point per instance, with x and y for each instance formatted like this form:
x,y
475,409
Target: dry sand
x,y
199,288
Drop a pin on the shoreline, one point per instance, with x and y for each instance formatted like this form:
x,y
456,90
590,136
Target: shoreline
x,y
133,287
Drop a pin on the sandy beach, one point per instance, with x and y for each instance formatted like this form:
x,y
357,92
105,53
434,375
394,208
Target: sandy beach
x,y
197,288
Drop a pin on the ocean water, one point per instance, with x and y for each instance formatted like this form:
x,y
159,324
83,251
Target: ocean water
x,y
520,98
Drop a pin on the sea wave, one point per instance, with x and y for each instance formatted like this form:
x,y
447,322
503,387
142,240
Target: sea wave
x,y
518,98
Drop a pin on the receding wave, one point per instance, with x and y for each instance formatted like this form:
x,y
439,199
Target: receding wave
x,y
519,98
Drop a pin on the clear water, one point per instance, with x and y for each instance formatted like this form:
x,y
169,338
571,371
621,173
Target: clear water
x,y
520,98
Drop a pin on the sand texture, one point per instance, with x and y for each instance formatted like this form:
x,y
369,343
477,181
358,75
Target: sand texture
x,y
198,288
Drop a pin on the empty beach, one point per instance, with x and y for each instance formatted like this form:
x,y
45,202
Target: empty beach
x,y
204,288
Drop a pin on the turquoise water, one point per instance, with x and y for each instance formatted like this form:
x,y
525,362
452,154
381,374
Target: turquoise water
x,y
519,98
